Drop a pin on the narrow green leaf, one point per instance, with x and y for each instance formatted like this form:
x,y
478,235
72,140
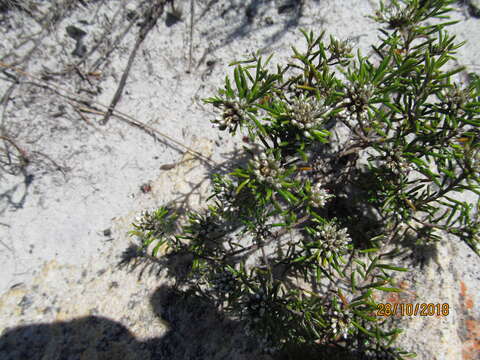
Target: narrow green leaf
x,y
372,265
379,74
388,289
301,258
238,74
269,194
240,187
362,329
367,251
228,87
391,267
257,123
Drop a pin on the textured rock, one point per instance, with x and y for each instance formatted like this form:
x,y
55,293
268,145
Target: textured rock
x,y
101,311
63,294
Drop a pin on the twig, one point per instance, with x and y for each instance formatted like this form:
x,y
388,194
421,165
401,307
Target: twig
x,y
192,14
5,245
275,236
91,111
84,118
60,168
150,19
121,115
22,152
97,63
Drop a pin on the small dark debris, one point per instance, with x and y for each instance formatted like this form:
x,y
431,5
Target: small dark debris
x,y
210,63
16,285
146,188
168,166
250,12
29,179
84,273
131,304
101,272
25,303
80,50
132,15
114,285
107,232
269,21
78,35
287,7
75,32
47,310
172,19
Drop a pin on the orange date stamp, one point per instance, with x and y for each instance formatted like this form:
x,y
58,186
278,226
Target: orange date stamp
x,y
410,309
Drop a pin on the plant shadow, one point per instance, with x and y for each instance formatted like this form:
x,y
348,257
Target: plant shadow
x,y
196,330
179,264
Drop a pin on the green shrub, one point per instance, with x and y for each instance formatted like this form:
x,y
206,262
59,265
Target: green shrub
x,y
297,242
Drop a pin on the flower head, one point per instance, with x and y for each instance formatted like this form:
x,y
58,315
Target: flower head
x,y
359,96
319,196
332,239
306,112
340,322
266,168
233,114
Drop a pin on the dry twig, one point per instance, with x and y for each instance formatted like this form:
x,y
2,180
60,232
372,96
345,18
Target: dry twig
x,y
150,19
121,115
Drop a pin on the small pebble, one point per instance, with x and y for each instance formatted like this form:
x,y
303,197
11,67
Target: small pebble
x,y
146,188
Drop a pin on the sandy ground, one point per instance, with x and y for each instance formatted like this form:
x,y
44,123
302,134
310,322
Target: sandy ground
x,y
64,218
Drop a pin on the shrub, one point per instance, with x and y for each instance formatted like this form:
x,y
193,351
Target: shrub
x,y
297,242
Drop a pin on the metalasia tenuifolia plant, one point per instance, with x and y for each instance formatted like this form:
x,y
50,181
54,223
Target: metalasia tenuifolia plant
x,y
299,241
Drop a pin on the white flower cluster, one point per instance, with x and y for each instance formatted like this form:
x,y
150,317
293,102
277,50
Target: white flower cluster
x,y
400,168
306,112
398,165
359,96
319,196
223,282
340,322
203,228
334,240
227,199
147,221
229,207
231,117
266,168
340,49
455,98
257,306
378,354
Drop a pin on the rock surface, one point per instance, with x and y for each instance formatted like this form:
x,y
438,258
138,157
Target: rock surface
x,y
63,295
